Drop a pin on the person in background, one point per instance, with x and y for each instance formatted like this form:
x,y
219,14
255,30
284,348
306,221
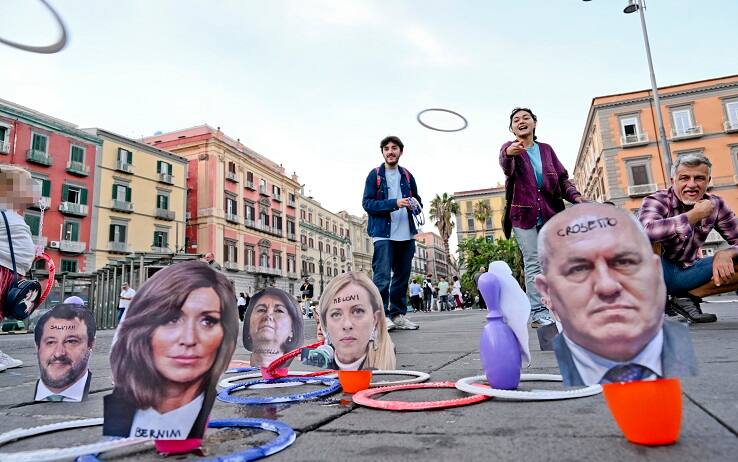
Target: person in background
x,y
126,295
536,185
443,294
456,293
307,290
17,192
242,303
427,293
477,275
415,292
210,260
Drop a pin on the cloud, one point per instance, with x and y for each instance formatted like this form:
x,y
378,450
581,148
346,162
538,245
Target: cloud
x,y
431,49
346,13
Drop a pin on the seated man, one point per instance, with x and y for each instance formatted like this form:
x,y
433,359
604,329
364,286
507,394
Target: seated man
x,y
680,218
604,284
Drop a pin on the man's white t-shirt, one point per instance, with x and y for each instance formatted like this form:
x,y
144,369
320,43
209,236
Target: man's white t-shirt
x,y
23,247
129,293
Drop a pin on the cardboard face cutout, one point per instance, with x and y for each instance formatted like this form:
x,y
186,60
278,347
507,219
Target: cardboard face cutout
x,y
175,343
605,286
353,323
65,338
272,326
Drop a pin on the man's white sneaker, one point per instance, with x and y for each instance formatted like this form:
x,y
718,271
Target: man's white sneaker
x,y
390,325
401,322
9,362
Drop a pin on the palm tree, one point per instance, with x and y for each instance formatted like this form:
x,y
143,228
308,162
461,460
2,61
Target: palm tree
x,y
443,208
482,211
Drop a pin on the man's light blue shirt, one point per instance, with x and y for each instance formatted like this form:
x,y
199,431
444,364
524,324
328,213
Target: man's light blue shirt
x,y
400,230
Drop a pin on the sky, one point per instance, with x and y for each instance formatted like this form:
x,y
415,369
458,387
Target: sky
x,y
316,84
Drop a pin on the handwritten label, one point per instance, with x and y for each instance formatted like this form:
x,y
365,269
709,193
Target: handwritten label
x,y
587,226
158,434
347,298
62,327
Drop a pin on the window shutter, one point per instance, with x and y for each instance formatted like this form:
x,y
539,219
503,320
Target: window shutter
x,y
75,231
130,157
165,202
46,188
128,194
83,196
65,193
111,233
169,169
115,191
158,166
33,222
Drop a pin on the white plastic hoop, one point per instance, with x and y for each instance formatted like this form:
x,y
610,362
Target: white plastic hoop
x,y
417,377
51,454
230,381
467,385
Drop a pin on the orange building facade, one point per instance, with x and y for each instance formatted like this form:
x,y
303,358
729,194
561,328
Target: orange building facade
x,y
620,159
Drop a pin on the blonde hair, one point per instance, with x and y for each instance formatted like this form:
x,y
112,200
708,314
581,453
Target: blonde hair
x,y
382,354
15,180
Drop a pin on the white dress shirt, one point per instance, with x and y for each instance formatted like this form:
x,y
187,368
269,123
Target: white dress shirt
x,y
74,393
173,425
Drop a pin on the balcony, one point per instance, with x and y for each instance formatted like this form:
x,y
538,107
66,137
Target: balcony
x,y
166,178
164,214
250,185
292,275
118,247
39,157
72,208
164,250
232,218
291,236
250,268
641,190
72,246
43,203
249,223
686,133
263,191
730,126
231,266
78,168
277,232
232,176
636,139
291,203
4,147
277,197
121,206
125,167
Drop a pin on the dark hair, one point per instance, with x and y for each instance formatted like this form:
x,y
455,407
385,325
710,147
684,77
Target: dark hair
x,y
391,139
243,295
67,311
456,278
524,109
294,312
159,301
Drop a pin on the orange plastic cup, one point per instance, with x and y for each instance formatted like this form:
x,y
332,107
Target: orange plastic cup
x,y
647,412
355,381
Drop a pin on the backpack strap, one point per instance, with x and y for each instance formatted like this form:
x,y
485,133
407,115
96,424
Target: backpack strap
x,y
10,244
407,177
379,180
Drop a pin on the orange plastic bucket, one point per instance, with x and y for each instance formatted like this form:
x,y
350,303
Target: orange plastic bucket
x,y
647,412
355,381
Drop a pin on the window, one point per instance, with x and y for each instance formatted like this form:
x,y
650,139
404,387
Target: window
x,y
302,215
629,127
263,186
731,108
639,173
33,220
276,191
277,260
264,218
68,266
77,154
249,255
163,167
117,233
303,239
250,177
248,210
125,156
304,267
310,217
320,221
70,231
230,254
470,222
335,229
292,197
44,186
5,131
343,254
291,263
312,267
161,239
335,250
121,193
39,143
682,119
230,206
329,271
311,243
264,260
277,222
162,201
488,223
290,226
367,244
320,246
232,167
74,194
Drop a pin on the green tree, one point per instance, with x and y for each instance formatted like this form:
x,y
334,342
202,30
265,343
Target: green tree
x,y
443,209
475,252
482,211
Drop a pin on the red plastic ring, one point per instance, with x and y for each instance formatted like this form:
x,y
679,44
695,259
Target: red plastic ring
x,y
274,371
364,398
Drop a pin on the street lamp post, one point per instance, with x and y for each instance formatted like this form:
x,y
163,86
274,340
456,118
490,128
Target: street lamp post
x,y
632,7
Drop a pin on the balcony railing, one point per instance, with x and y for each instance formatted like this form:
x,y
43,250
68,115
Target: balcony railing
x,y
43,203
232,176
164,214
121,206
78,168
263,190
122,166
118,247
291,203
641,190
72,208
686,133
293,275
277,197
39,157
4,147
232,217
633,140
72,246
166,178
231,266
250,268
291,236
277,231
158,249
250,185
730,126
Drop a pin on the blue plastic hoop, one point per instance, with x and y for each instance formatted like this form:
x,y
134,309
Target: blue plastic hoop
x,y
285,437
332,386
238,370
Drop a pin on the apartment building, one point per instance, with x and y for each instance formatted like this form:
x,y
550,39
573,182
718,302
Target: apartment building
x,y
436,255
467,224
362,247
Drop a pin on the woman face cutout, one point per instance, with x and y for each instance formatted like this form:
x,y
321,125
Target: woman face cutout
x,y
270,323
350,322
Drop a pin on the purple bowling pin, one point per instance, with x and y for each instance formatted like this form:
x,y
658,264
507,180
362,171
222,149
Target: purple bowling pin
x,y
498,346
